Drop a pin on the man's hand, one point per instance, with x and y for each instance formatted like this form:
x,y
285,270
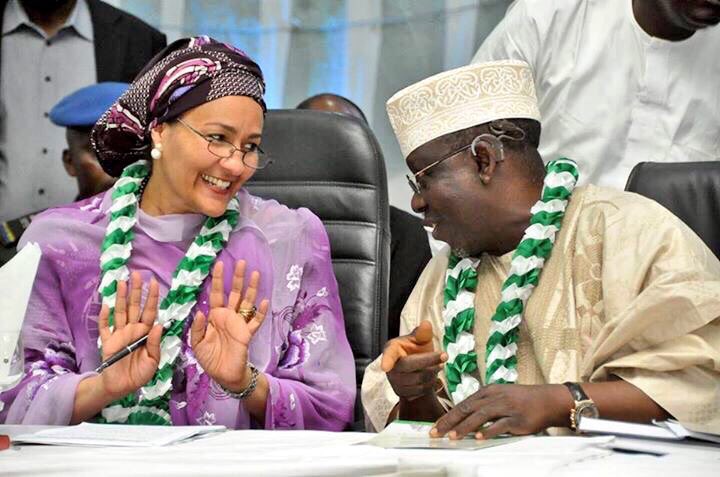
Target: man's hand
x,y
512,409
412,367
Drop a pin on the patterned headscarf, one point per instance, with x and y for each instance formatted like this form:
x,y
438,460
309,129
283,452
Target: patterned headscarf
x,y
186,74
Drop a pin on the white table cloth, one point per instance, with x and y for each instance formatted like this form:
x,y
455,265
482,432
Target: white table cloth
x,y
296,453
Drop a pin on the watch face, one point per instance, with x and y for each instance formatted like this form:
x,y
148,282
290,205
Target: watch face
x,y
587,409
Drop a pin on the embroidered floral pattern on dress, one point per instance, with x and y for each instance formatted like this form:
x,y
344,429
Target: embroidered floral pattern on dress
x,y
58,358
323,292
293,277
316,333
207,419
283,418
296,350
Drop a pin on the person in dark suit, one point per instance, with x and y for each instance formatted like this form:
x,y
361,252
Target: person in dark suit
x,y
409,247
122,42
81,42
49,48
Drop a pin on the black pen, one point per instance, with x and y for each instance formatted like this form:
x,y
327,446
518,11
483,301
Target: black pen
x,y
121,354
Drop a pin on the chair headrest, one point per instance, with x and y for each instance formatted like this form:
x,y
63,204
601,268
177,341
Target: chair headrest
x,y
690,190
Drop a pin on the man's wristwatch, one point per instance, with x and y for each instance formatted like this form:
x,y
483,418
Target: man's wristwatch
x,y
584,406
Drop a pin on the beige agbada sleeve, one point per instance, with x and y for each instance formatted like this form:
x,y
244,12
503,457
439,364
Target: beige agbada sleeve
x,y
629,291
424,302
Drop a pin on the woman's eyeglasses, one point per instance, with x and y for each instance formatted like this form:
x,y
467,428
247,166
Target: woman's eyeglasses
x,y
254,158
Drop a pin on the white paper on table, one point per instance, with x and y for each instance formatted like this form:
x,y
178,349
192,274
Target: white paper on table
x,y
115,435
17,277
416,435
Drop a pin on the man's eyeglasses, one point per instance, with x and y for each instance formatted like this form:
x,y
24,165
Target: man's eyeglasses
x,y
412,180
499,130
254,158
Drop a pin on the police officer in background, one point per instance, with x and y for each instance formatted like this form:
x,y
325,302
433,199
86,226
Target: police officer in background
x,y
77,113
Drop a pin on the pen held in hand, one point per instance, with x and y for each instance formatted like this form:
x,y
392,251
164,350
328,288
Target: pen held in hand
x,y
122,353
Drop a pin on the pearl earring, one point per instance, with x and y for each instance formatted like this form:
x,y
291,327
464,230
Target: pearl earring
x,y
156,152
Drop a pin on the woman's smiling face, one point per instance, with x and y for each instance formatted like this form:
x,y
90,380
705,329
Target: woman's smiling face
x,y
188,178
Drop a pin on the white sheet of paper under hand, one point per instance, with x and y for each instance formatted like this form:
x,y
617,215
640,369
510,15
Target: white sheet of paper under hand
x,y
16,282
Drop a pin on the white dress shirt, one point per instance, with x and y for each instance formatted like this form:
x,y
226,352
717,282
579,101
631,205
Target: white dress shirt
x,y
36,72
610,94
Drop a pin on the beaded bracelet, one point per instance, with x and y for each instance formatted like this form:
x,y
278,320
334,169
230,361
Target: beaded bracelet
x,y
249,388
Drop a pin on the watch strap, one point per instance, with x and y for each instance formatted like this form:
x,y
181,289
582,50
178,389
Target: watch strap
x,y
581,403
576,391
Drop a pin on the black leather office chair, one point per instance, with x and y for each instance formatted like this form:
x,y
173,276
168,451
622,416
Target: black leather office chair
x,y
690,190
333,165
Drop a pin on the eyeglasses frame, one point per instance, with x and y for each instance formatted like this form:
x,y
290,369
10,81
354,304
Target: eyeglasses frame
x,y
499,130
210,140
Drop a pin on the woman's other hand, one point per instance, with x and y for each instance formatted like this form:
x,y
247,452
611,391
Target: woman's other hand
x,y
135,370
220,342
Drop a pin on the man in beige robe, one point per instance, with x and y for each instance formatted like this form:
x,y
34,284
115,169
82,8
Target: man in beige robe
x,y
627,305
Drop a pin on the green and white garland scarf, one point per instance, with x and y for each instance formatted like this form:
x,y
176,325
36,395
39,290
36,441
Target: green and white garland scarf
x,y
527,263
153,406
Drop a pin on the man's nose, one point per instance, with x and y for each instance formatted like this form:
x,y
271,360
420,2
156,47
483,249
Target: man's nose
x,y
417,203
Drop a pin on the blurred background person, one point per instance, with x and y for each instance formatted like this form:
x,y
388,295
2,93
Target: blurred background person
x,y
409,247
48,49
77,113
619,81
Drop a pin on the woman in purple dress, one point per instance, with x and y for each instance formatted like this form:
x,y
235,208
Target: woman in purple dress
x,y
164,253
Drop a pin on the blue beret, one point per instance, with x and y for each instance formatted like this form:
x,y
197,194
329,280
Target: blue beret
x,y
85,106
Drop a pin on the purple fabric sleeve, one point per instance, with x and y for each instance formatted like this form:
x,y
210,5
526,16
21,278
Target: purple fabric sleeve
x,y
313,386
52,404
47,393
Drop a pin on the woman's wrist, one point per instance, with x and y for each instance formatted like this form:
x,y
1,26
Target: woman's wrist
x,y
91,397
246,386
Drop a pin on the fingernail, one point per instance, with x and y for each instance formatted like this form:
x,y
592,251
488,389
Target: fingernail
x,y
479,436
434,432
452,435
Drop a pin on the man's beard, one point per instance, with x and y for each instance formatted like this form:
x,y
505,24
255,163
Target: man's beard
x,y
461,252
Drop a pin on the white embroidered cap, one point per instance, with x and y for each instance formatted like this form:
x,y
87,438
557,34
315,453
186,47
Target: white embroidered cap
x,y
461,98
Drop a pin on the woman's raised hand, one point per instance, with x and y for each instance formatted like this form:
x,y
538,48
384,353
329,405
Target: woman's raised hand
x,y
220,341
135,370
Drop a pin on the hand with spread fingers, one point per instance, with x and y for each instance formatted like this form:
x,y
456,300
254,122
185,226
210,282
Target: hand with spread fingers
x,y
135,370
220,341
506,409
412,366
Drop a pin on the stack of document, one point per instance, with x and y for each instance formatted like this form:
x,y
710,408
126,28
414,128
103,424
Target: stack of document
x,y
669,430
114,435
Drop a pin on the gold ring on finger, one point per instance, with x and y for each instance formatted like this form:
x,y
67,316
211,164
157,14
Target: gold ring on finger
x,y
247,314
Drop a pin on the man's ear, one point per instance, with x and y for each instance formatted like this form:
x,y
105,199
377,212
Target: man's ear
x,y
488,151
68,163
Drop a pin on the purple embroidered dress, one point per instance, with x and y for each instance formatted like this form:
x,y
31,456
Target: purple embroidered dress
x,y
301,347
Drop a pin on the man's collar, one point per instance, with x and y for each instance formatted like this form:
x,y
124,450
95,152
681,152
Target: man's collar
x,y
14,17
79,19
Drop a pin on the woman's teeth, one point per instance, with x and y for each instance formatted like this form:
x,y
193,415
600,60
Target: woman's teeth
x,y
216,182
